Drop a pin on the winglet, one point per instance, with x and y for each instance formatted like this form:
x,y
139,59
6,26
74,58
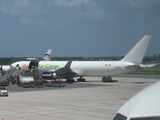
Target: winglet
x,y
47,56
138,51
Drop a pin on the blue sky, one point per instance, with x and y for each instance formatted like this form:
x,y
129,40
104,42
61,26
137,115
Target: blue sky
x,y
28,28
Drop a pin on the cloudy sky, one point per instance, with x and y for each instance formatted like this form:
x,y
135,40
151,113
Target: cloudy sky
x,y
28,28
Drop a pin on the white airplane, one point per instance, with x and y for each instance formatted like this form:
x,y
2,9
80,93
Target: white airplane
x,y
46,57
105,69
142,106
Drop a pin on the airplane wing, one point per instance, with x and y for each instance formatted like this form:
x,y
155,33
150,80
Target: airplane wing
x,y
66,71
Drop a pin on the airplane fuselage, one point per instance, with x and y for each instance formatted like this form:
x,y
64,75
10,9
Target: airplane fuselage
x,y
83,68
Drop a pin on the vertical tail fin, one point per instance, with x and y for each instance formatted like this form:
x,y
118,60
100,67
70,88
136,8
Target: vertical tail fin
x,y
138,51
47,56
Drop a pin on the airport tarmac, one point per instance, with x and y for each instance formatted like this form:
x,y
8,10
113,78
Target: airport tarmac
x,y
91,100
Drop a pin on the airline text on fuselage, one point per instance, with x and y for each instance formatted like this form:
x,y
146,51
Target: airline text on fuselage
x,y
26,66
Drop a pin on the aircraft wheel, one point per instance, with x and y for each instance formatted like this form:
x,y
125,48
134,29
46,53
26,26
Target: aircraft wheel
x,y
108,79
81,80
70,80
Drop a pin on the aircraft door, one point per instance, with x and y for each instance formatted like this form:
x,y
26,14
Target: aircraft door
x,y
33,65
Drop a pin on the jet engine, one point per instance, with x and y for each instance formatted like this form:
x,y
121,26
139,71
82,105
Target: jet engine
x,y
49,75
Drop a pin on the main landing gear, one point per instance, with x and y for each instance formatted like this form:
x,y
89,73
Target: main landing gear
x,y
107,79
81,79
70,80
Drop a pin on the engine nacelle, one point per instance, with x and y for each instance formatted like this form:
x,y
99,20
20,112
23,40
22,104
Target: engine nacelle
x,y
49,75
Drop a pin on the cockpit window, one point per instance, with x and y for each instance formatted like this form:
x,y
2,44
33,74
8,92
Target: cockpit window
x,y
146,118
119,117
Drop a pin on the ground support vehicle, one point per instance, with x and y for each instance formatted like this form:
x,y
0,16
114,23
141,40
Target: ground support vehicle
x,y
3,91
4,83
28,84
39,83
25,81
55,83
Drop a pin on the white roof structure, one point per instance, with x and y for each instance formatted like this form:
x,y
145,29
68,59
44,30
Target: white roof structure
x,y
145,105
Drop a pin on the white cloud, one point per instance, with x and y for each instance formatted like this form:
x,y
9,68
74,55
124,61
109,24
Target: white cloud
x,y
77,10
87,9
140,4
21,3
95,14
71,3
24,8
27,12
27,20
16,7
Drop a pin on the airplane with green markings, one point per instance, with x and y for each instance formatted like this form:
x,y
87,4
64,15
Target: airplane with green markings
x,y
105,69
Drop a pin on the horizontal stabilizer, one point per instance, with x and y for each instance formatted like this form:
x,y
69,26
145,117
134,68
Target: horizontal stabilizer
x,y
147,65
